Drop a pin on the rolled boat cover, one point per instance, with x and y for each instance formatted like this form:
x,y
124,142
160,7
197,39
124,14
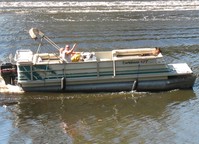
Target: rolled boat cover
x,y
33,33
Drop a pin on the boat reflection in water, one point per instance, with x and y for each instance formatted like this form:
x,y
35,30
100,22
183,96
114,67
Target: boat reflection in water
x,y
95,117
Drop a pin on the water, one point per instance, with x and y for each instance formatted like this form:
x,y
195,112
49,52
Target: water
x,y
124,117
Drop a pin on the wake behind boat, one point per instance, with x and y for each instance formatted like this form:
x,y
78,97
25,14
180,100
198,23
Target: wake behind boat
x,y
140,69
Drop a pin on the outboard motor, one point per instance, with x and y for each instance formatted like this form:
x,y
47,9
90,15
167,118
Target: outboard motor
x,y
9,73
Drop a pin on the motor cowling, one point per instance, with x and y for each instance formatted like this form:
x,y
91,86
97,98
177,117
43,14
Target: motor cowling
x,y
8,72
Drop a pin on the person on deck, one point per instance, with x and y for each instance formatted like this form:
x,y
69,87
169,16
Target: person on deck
x,y
156,51
66,53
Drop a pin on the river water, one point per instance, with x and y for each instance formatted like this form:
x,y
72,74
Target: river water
x,y
123,117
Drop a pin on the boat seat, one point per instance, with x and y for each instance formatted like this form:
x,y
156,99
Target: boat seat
x,y
148,53
45,57
23,56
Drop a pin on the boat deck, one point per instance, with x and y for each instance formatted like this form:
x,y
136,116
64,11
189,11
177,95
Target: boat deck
x,y
27,56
